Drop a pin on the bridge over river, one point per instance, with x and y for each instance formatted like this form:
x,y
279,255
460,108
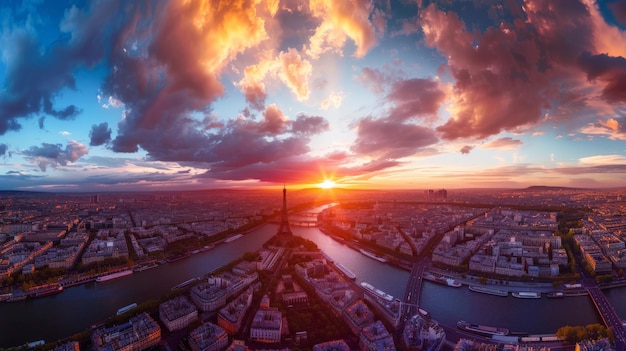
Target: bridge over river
x,y
609,317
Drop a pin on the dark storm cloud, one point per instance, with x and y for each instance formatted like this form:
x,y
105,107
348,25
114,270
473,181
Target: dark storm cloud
x,y
54,155
36,72
99,134
609,70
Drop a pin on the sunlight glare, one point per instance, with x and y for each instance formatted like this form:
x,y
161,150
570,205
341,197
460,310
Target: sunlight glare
x,y
327,184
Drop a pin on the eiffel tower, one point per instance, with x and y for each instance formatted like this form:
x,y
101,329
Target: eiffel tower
x,y
284,222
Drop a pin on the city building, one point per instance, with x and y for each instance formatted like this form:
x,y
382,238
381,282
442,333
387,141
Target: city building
x,y
140,332
208,337
231,316
267,325
212,294
177,313
358,316
422,333
375,337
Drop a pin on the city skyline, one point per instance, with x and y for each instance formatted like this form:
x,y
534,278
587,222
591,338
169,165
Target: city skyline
x,y
358,94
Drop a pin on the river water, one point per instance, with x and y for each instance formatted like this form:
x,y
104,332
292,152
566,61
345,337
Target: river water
x,y
59,316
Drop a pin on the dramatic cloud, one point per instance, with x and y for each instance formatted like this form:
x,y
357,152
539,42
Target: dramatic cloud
x,y
611,70
415,97
341,19
293,70
195,50
506,76
161,106
28,60
385,139
100,134
54,155
274,121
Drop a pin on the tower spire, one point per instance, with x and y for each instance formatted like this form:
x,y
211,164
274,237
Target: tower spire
x,y
284,222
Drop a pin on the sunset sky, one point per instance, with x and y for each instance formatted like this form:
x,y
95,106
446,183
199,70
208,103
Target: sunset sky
x,y
157,95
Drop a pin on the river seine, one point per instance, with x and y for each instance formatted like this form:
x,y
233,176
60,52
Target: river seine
x,y
72,311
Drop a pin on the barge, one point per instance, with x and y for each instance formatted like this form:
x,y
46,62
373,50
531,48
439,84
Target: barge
x,y
482,329
116,275
526,295
377,292
45,290
233,238
126,308
373,255
489,291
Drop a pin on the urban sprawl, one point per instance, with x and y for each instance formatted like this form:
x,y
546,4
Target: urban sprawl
x,y
530,243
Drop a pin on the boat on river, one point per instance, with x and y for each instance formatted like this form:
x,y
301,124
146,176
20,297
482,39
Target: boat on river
x,y
373,255
45,290
526,295
481,329
184,284
443,280
449,282
126,309
116,275
377,292
348,273
146,267
233,238
490,291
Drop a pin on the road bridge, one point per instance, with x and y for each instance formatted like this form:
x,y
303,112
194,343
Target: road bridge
x,y
413,290
609,317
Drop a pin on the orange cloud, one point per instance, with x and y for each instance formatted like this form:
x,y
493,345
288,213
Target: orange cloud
x,y
341,19
295,72
199,38
607,39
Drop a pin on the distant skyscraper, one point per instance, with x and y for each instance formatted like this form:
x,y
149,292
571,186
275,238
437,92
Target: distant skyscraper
x,y
284,222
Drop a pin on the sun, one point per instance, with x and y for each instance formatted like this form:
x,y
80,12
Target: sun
x,y
326,184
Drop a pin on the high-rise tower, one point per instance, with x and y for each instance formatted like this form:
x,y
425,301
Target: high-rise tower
x,y
284,222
